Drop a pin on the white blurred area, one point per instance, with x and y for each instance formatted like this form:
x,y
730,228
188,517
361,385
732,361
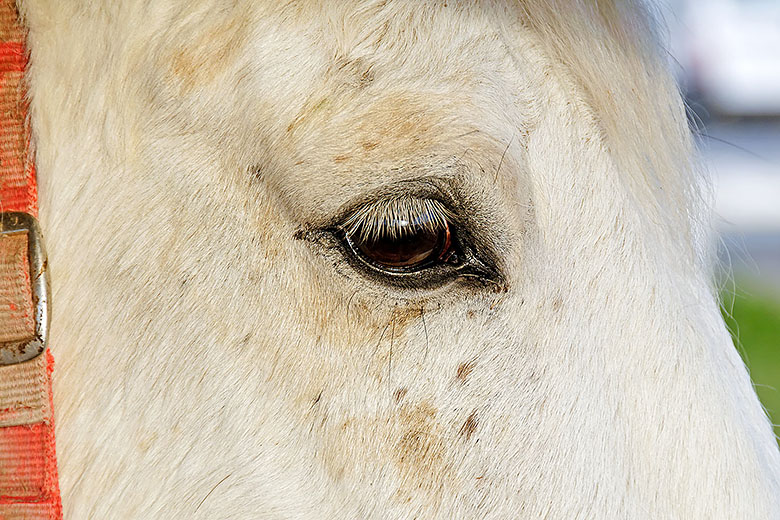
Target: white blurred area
x,y
727,55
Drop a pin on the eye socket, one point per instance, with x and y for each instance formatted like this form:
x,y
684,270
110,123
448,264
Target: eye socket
x,y
403,235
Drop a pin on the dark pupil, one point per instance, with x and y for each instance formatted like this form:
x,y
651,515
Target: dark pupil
x,y
410,247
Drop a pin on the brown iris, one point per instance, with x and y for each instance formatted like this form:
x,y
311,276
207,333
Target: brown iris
x,y
408,250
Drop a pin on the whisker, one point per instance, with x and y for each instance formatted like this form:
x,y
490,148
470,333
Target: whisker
x,y
501,161
425,330
212,490
381,336
390,357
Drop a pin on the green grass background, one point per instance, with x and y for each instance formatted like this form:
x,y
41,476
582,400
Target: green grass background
x,y
753,317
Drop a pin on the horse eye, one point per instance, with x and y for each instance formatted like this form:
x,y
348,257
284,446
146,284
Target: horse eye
x,y
406,245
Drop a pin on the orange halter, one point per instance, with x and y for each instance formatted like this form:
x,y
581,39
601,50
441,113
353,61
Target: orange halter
x,y
28,466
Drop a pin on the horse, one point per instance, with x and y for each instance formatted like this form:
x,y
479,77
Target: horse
x,y
382,259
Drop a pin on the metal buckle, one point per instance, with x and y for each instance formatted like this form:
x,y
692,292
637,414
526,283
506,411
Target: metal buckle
x,y
14,352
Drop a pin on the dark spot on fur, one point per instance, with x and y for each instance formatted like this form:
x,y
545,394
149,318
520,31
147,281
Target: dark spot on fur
x,y
421,446
470,426
399,394
464,370
357,72
366,78
341,158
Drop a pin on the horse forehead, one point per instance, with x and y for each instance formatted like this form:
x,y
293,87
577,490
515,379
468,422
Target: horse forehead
x,y
346,43
346,94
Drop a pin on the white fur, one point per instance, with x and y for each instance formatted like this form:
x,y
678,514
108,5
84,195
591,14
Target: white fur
x,y
211,364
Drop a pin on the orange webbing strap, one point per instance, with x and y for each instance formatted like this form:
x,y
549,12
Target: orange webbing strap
x,y
28,464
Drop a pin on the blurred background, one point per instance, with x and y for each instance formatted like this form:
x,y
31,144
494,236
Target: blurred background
x,y
727,57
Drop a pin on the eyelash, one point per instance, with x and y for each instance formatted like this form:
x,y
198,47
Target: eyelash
x,y
381,219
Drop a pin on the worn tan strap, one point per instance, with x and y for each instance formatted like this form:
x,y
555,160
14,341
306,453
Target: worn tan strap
x,y
24,398
17,319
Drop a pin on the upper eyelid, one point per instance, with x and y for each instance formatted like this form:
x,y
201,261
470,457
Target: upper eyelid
x,y
440,189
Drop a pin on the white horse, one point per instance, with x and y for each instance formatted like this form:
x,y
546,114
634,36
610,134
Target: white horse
x,y
382,259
